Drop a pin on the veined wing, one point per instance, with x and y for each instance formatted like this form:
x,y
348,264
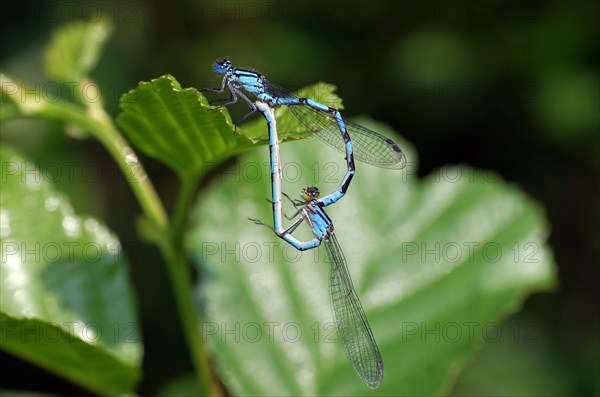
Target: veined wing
x,y
369,146
352,325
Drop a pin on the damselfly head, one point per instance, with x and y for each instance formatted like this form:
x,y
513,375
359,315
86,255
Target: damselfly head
x,y
221,66
310,193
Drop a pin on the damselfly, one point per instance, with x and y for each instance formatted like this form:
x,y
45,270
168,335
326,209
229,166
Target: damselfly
x,y
351,322
327,122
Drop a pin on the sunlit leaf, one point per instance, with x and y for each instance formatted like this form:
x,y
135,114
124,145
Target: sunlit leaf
x,y
178,126
437,264
66,303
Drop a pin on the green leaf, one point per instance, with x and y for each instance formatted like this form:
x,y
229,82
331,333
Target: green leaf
x,y
178,126
435,262
66,303
75,49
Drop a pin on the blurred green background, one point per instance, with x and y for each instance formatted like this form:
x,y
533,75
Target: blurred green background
x,y
501,85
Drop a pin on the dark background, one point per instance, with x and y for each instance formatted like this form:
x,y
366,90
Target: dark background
x,y
505,85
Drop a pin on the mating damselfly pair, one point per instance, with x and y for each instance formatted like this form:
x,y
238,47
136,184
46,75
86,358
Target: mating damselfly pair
x,y
354,141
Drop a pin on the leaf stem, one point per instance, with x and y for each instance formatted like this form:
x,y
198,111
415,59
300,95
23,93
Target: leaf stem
x,y
181,284
180,213
101,126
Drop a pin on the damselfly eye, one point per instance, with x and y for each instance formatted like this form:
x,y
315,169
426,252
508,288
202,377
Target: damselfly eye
x,y
221,66
310,193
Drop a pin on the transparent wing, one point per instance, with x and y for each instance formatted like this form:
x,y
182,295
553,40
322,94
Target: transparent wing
x,y
352,325
369,146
